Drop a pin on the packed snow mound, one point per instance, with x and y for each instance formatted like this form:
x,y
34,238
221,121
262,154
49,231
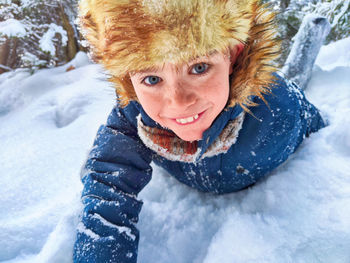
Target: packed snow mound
x,y
300,213
329,57
307,43
12,28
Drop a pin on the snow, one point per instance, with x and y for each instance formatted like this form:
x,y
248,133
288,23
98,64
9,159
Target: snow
x,y
46,42
81,228
300,213
12,28
307,43
329,59
343,11
121,229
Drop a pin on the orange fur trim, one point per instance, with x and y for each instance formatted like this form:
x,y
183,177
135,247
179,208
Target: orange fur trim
x,y
252,70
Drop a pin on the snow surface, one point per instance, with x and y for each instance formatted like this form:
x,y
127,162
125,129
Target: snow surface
x,y
12,28
46,42
300,213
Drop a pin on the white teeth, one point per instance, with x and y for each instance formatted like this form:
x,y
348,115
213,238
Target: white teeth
x,y
188,120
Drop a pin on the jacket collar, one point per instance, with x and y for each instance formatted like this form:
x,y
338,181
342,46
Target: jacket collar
x,y
211,134
216,139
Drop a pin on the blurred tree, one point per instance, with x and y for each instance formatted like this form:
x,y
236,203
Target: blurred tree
x,y
290,14
338,14
37,33
284,4
42,33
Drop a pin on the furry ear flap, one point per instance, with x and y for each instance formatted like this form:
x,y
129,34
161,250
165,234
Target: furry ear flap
x,y
239,49
234,53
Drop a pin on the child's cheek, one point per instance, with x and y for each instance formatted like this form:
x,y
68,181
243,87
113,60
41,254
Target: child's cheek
x,y
152,105
217,90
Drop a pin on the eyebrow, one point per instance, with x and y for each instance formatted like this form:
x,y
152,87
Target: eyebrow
x,y
202,57
150,69
205,56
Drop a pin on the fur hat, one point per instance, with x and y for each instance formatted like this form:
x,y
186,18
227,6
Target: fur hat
x,y
131,35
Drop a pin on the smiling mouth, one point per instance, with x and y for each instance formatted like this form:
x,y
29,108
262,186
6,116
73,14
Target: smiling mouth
x,y
189,120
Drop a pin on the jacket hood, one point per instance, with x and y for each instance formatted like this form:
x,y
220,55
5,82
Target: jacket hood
x,y
127,36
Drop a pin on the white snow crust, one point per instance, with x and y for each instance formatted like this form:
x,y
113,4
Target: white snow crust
x,y
307,43
12,28
46,42
300,213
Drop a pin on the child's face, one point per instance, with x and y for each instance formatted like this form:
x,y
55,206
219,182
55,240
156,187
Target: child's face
x,y
185,98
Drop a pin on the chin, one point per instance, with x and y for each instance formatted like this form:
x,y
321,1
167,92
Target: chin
x,y
190,137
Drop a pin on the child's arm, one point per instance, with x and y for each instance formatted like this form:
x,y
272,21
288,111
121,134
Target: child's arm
x,y
117,169
311,115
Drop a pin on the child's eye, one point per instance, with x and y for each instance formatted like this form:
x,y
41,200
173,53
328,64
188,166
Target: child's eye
x,y
151,80
199,68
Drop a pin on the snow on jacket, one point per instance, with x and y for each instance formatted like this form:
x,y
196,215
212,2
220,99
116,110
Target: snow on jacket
x,y
118,167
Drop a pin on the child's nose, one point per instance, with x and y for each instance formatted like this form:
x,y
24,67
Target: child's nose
x,y
180,95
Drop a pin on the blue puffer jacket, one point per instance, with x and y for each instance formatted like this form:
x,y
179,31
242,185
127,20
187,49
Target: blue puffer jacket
x,y
118,167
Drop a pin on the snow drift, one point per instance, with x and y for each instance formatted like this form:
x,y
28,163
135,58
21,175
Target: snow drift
x,y
300,213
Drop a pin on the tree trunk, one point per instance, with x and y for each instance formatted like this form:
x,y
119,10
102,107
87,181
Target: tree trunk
x,y
8,54
72,45
13,58
284,4
4,51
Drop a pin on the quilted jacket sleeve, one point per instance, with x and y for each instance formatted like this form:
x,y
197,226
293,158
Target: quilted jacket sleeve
x,y
310,114
117,169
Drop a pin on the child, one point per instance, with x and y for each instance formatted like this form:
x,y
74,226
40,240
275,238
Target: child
x,y
197,96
